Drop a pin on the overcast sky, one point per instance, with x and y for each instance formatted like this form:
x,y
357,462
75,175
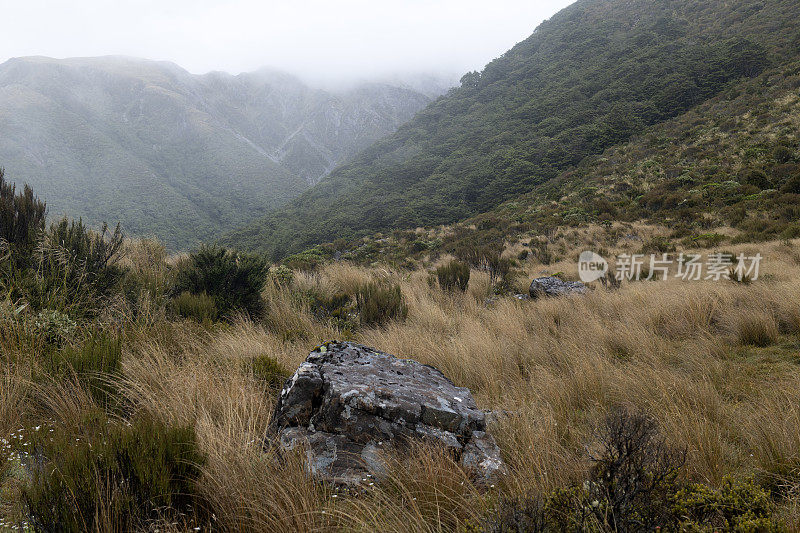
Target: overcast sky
x,y
315,38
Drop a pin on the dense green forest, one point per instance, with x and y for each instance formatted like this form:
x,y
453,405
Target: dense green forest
x,y
593,76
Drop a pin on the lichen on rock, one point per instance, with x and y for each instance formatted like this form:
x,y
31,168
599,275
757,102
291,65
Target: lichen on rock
x,y
347,403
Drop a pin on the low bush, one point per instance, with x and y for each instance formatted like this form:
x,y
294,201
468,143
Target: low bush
x,y
93,256
706,240
454,275
233,280
634,486
657,245
792,185
93,364
282,276
336,305
147,280
497,266
267,369
634,472
54,327
629,487
378,304
738,505
199,307
519,515
114,479
72,270
22,221
541,252
307,260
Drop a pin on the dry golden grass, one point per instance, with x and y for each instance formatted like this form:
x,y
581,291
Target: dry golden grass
x,y
13,397
716,364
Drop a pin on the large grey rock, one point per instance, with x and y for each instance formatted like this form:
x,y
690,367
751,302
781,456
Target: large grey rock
x,y
347,403
553,286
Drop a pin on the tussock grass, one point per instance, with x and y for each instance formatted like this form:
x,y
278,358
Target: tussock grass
x,y
714,363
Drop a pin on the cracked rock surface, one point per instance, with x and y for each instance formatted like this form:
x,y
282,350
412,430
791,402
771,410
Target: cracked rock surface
x,y
347,403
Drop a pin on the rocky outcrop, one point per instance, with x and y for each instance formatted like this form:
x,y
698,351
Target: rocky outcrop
x,y
347,404
553,286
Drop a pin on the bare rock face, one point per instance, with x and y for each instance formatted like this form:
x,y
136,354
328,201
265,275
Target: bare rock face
x,y
553,286
348,403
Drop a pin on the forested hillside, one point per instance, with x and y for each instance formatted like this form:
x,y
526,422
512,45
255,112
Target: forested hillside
x,y
731,162
180,156
596,74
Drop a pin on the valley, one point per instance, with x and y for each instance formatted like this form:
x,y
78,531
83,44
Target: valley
x,y
563,296
176,155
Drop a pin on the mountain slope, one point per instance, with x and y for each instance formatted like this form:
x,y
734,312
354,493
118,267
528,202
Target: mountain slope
x,y
732,161
723,173
595,74
180,156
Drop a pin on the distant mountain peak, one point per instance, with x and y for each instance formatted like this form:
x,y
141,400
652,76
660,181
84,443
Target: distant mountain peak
x,y
182,156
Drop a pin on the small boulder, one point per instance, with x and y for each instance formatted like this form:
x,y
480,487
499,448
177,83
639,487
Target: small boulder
x,y
347,403
553,286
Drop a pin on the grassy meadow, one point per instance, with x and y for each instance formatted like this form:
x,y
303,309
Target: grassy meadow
x,y
182,404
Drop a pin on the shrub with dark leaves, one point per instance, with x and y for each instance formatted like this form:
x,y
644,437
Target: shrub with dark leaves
x,y
233,280
22,220
634,473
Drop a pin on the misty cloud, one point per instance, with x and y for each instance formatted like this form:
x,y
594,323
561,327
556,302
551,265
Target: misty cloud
x,y
321,39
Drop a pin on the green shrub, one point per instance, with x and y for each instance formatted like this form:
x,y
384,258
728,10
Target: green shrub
x,y
67,268
790,232
657,245
336,305
282,276
22,221
307,260
707,240
337,308
54,327
378,304
453,276
738,505
74,270
792,185
782,154
234,280
491,261
93,363
199,307
147,280
267,369
758,179
421,245
117,477
94,253
542,253
634,486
